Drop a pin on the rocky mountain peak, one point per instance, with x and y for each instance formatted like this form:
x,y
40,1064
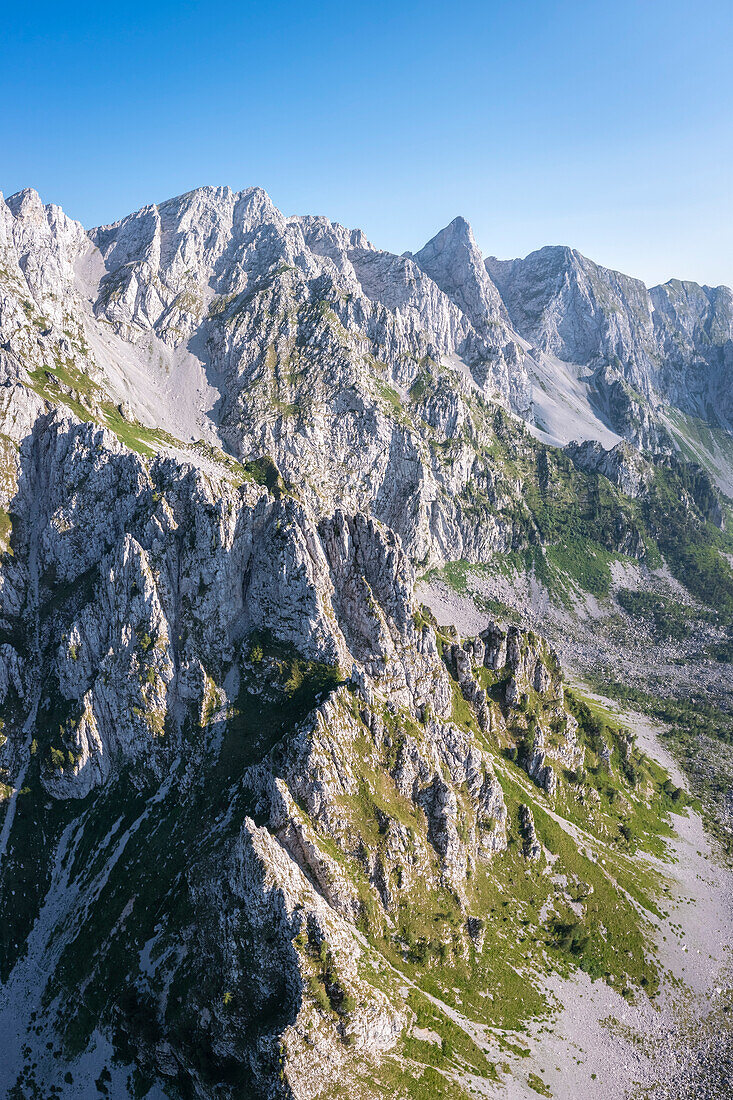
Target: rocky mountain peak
x,y
453,260
571,307
22,202
605,351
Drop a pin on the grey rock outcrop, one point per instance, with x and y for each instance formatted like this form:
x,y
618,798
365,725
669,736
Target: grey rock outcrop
x,y
531,847
623,465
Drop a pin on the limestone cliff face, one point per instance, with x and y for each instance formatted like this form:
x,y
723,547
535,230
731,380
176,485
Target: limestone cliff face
x,y
694,330
670,345
568,305
452,259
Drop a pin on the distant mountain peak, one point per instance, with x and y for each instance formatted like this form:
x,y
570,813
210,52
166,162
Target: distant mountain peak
x,y
453,260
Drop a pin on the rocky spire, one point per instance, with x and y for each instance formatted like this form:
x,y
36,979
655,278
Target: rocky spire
x,y
452,259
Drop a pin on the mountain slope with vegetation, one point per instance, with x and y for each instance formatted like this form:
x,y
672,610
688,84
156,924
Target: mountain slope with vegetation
x,y
305,789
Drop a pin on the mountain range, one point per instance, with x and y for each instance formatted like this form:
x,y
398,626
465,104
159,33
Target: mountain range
x,y
320,567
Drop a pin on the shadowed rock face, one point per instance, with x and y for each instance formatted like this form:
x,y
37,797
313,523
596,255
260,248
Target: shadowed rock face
x,y
257,778
672,344
568,305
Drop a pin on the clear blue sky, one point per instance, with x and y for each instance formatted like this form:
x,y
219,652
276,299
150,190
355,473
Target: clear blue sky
x,y
604,125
